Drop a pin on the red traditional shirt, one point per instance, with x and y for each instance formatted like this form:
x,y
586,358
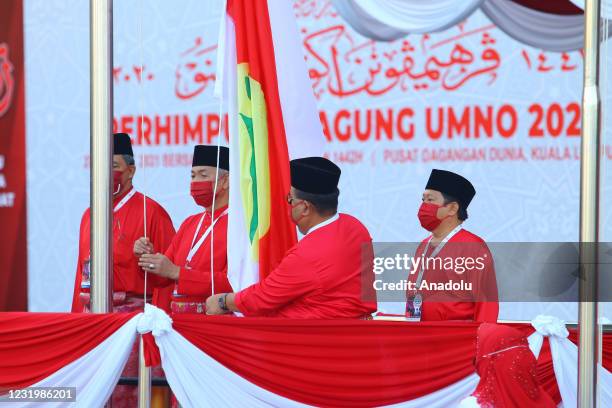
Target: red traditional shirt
x,y
320,277
478,303
128,226
194,282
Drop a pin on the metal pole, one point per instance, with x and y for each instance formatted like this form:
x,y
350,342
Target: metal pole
x,y
589,210
101,62
144,379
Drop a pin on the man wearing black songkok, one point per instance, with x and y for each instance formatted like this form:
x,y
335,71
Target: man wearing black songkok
x,y
128,225
456,277
188,259
321,276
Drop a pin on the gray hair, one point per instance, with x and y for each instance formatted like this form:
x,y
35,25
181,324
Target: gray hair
x,y
129,159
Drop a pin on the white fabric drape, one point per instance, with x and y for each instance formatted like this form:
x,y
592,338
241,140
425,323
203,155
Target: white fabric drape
x,y
551,32
95,374
303,128
392,19
565,361
198,380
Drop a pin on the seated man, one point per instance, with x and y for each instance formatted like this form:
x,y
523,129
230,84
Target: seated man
x,y
321,276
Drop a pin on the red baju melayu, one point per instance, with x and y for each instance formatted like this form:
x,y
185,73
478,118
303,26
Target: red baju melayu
x,y
320,277
128,226
194,284
480,303
128,277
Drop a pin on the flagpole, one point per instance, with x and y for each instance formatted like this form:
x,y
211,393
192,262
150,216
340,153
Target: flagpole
x,y
101,148
144,378
589,210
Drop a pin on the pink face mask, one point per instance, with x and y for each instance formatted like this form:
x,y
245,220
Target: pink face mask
x,y
291,207
117,181
203,192
428,216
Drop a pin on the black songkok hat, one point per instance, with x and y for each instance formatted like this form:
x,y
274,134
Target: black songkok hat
x,y
315,175
451,184
122,144
204,155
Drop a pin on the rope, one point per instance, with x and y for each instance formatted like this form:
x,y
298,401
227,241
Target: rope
x,y
212,232
141,129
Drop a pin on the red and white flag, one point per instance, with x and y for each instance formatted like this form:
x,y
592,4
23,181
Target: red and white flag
x,y
263,83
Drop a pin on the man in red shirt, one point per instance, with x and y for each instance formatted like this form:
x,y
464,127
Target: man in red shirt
x,y
321,276
201,237
128,277
128,225
451,256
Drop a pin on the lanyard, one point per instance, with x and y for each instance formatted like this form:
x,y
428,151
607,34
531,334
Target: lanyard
x,y
124,200
194,248
435,252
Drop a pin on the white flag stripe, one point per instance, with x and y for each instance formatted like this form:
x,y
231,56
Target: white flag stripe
x,y
301,121
242,271
300,114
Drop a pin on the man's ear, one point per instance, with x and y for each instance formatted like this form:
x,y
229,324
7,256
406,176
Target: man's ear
x,y
132,170
308,208
453,208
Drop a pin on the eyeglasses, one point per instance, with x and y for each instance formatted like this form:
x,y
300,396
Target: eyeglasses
x,y
290,199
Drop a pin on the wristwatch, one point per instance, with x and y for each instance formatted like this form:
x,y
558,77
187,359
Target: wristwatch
x,y
222,303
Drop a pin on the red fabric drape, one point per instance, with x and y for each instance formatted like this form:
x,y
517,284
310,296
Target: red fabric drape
x,y
546,373
321,362
35,345
13,215
564,7
337,362
357,363
507,370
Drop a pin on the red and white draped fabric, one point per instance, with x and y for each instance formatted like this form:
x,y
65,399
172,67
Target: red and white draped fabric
x,y
393,19
85,351
223,360
548,29
551,25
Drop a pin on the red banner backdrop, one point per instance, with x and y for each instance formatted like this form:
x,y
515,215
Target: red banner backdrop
x,y
13,251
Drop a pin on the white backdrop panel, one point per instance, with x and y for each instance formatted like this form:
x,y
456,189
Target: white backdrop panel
x,y
380,103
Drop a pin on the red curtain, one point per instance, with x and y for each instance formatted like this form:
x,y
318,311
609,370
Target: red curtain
x,y
329,362
337,362
564,7
356,363
35,345
13,215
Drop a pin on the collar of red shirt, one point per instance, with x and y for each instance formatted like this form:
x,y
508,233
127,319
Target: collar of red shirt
x,y
217,212
323,224
118,198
